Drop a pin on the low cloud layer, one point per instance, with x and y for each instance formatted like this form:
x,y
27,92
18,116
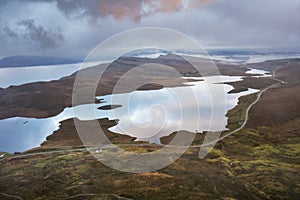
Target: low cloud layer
x,y
73,28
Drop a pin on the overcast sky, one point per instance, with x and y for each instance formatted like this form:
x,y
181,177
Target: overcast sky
x,y
73,28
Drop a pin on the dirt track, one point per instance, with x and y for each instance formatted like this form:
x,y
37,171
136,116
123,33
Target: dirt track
x,y
140,145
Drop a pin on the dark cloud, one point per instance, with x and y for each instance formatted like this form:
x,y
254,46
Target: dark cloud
x,y
121,9
29,25
34,35
9,32
79,8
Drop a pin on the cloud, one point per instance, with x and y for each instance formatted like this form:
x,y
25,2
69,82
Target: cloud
x,y
68,28
33,35
124,9
233,23
137,9
199,3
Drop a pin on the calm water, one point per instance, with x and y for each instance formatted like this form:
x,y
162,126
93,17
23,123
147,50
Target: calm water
x,y
146,115
244,59
261,73
22,75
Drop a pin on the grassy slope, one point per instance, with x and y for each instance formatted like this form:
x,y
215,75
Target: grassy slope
x,y
259,162
247,165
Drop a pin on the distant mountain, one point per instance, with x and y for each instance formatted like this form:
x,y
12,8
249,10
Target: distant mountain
x,y
23,61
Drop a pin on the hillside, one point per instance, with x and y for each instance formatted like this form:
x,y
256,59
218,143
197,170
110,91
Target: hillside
x,y
24,61
259,162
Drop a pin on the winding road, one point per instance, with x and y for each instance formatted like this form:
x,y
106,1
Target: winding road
x,y
82,149
245,120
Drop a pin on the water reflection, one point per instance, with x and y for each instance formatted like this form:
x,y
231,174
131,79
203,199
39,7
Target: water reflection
x,y
260,72
146,115
21,75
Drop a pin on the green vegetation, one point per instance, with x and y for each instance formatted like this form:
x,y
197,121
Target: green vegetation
x,y
4,154
245,165
236,116
259,162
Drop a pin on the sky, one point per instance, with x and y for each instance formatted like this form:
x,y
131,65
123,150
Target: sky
x,y
73,28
